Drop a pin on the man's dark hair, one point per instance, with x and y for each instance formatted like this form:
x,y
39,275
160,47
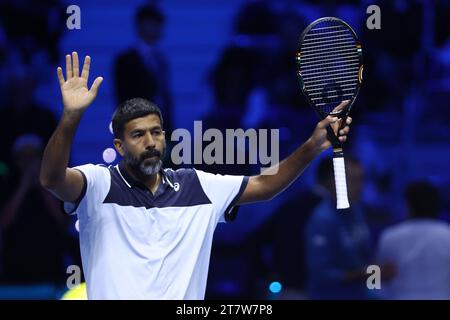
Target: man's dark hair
x,y
132,109
422,198
149,12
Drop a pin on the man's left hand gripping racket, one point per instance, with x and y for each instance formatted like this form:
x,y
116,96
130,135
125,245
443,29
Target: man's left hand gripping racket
x,y
329,68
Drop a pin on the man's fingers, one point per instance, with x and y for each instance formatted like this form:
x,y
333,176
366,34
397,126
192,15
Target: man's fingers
x,y
344,131
327,121
69,71
86,67
97,82
332,119
341,106
76,68
60,76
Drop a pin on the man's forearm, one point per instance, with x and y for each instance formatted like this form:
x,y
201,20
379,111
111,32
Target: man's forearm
x,y
276,179
56,155
279,177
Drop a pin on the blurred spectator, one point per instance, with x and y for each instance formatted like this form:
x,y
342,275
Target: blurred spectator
x,y
142,71
24,63
384,57
34,27
282,82
3,63
419,248
256,18
279,244
23,113
338,243
31,221
232,81
272,93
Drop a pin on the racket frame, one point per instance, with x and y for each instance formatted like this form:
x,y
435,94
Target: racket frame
x,y
338,153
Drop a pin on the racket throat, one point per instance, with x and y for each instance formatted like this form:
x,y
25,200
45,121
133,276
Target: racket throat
x,y
338,153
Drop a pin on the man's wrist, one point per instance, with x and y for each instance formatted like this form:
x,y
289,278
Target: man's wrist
x,y
72,115
311,147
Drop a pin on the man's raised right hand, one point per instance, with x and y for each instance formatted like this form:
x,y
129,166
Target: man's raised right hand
x,y
75,93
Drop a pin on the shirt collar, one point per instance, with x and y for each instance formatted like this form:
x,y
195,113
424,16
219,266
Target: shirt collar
x,y
132,182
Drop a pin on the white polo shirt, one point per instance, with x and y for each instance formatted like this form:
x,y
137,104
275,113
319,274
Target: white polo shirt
x,y
420,250
139,245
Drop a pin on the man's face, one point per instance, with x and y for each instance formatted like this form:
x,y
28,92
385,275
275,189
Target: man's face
x,y
144,145
150,31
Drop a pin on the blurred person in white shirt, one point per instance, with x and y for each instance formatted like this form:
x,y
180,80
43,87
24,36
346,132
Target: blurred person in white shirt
x,y
418,248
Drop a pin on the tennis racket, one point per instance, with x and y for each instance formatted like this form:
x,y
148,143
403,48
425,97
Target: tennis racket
x,y
329,68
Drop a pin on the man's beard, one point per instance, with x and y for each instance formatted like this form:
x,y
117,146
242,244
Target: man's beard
x,y
142,167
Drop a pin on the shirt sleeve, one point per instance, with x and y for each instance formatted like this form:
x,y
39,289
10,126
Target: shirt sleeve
x,y
97,181
223,191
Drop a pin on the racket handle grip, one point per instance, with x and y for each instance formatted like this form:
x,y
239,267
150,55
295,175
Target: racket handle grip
x,y
340,180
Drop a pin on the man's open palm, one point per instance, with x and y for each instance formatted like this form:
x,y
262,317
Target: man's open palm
x,y
75,93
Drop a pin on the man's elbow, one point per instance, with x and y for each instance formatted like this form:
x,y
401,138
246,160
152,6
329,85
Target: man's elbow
x,y
271,196
265,192
48,182
268,196
45,183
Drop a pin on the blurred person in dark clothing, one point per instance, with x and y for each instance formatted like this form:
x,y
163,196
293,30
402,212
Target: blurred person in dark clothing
x,y
143,71
19,110
231,82
32,223
256,18
282,237
282,82
385,56
22,114
338,244
34,26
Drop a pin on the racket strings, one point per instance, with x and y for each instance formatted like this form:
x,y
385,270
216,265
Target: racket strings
x,y
329,64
